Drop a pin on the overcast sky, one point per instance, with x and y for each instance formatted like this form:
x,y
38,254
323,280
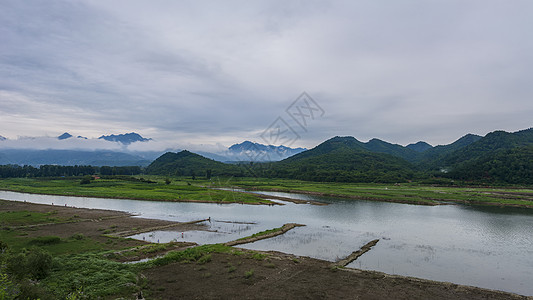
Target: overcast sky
x,y
208,72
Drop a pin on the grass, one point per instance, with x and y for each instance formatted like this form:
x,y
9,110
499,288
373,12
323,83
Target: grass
x,y
248,274
261,233
231,269
95,275
18,218
184,189
178,190
408,193
18,240
199,254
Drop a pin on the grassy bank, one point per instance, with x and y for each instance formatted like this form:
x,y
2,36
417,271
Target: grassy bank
x,y
201,190
175,190
404,193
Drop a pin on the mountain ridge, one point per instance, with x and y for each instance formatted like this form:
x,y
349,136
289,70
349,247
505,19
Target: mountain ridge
x,y
125,138
346,159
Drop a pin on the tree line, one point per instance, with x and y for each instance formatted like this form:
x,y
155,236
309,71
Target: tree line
x,y
16,171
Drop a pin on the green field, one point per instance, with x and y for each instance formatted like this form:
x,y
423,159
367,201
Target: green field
x,y
176,190
404,193
203,190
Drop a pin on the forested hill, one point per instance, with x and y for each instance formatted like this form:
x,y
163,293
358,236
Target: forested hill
x,y
507,166
343,159
497,157
189,164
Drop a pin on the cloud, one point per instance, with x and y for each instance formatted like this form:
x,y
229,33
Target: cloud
x,y
206,73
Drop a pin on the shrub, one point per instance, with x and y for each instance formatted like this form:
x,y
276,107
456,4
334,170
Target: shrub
x,y
86,180
34,264
39,263
78,236
45,240
249,274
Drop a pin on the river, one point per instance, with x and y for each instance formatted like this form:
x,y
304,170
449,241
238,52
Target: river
x,y
489,247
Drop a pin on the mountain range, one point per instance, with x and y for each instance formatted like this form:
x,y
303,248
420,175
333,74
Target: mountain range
x,y
499,156
245,151
125,139
496,157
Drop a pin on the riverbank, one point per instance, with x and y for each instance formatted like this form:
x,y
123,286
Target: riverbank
x,y
235,274
132,188
223,192
23,222
408,193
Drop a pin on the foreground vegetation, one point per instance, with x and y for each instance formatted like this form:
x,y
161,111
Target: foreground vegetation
x,y
36,266
126,187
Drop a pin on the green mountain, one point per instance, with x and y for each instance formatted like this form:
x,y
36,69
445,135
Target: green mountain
x,y
379,146
499,156
486,146
188,164
343,159
431,157
419,146
506,166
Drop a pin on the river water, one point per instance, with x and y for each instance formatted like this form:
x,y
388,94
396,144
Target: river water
x,y
488,247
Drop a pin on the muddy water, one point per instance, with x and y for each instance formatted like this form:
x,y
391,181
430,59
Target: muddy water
x,y
485,247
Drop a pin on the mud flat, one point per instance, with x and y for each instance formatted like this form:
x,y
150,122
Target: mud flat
x,y
284,276
97,224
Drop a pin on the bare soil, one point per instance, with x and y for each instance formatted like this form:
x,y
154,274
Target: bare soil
x,y
282,276
92,223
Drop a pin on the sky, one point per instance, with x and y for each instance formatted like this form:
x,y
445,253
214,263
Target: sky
x,y
207,73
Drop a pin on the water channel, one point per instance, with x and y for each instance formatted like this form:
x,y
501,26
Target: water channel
x,y
489,247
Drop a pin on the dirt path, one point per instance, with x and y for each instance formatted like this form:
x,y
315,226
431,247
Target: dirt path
x,y
155,228
355,255
284,228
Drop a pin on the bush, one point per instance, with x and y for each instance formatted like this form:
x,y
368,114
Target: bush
x,y
78,236
34,264
8,290
3,247
86,180
45,240
39,263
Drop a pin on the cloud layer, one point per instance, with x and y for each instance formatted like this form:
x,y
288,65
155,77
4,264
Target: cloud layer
x,y
189,72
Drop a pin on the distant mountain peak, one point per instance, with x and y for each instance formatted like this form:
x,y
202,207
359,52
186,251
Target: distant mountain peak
x,y
125,139
2,138
252,151
64,136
